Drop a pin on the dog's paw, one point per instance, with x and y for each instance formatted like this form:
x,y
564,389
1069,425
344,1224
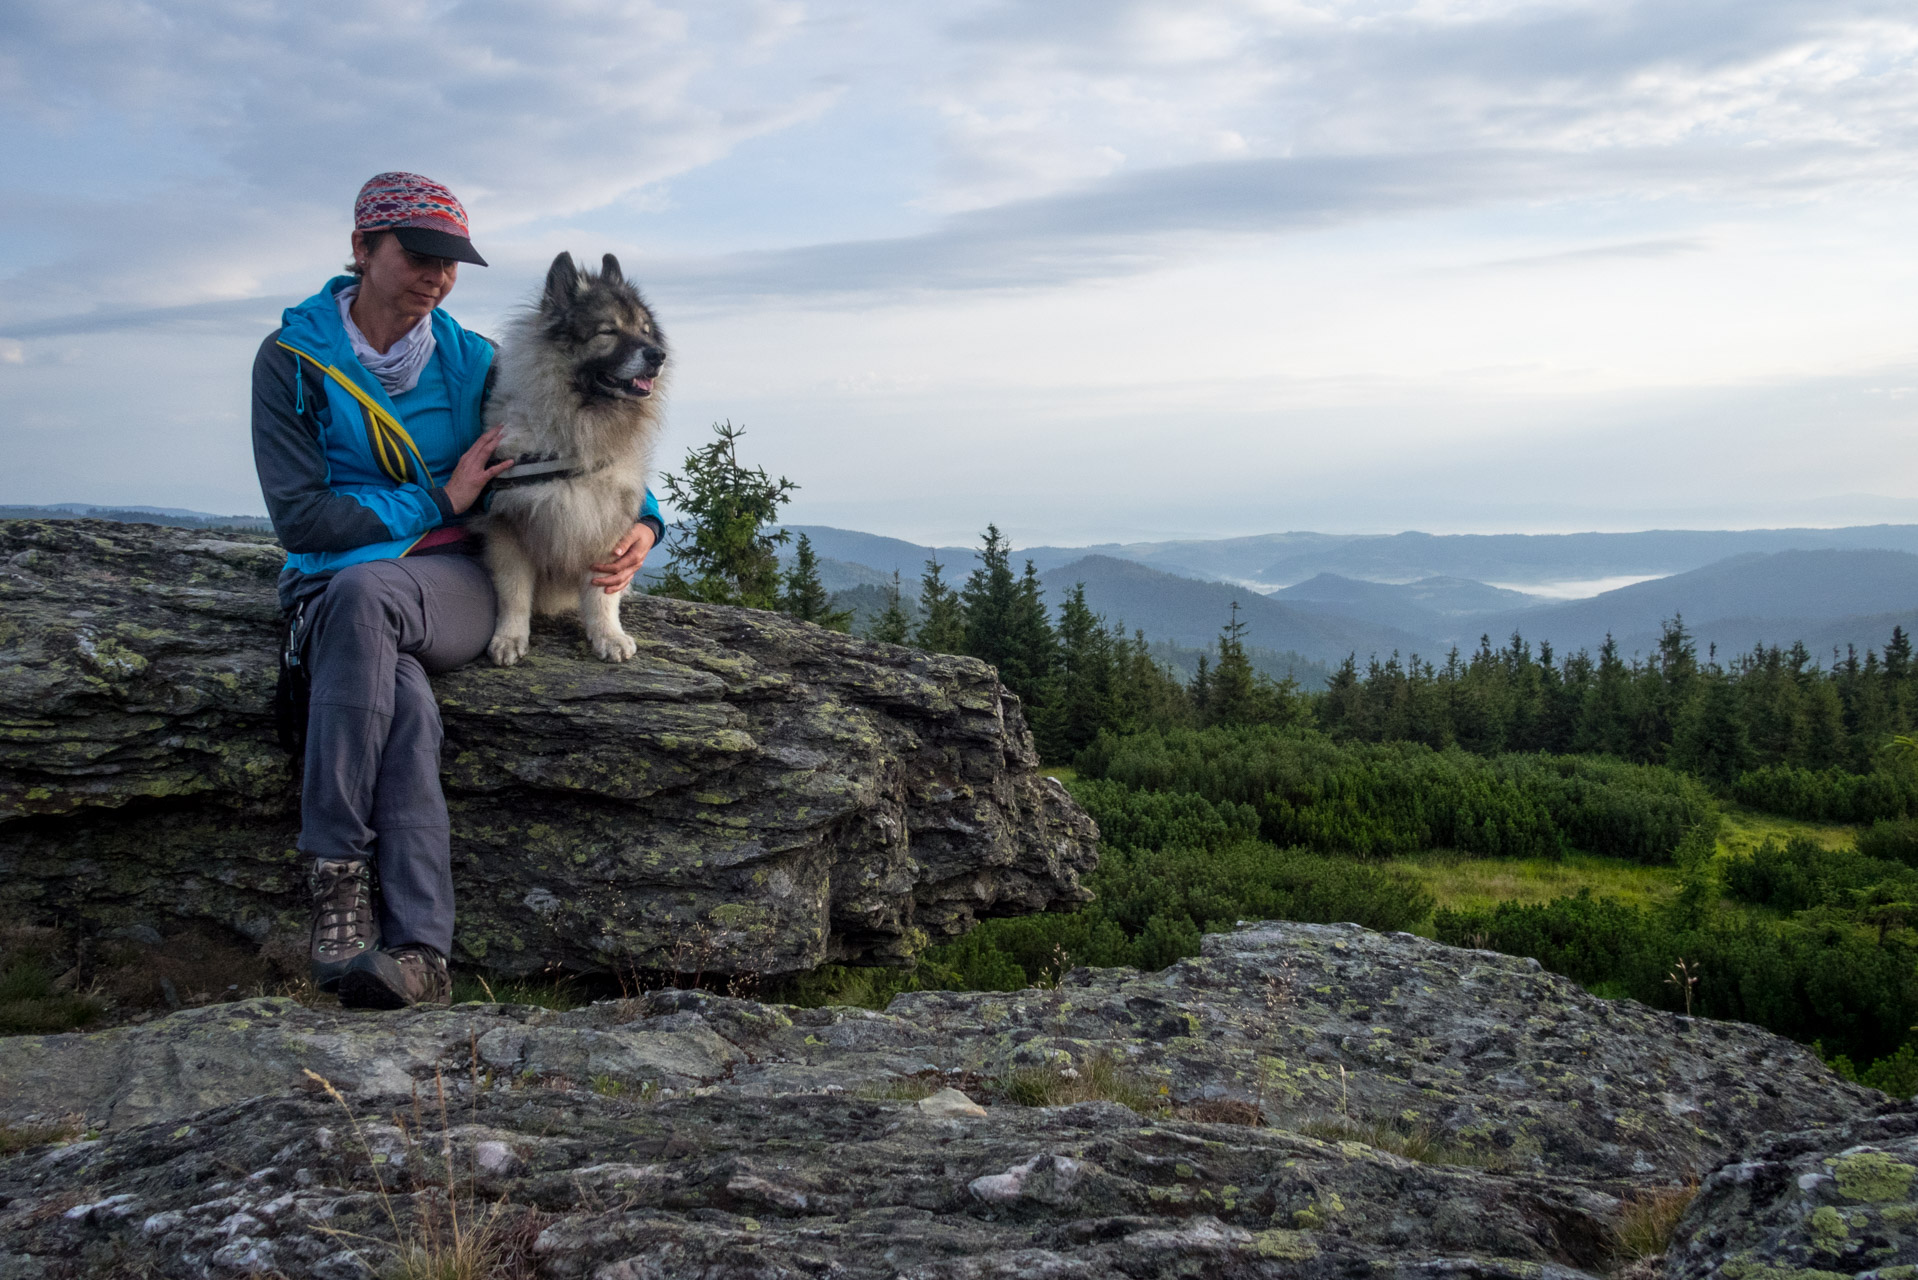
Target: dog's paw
x,y
505,650
616,647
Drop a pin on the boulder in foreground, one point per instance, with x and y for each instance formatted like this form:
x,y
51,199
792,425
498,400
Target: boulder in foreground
x,y
1427,1111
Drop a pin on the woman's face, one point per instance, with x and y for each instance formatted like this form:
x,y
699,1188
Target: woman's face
x,y
408,283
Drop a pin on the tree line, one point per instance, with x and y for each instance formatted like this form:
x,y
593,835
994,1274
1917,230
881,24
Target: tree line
x,y
1773,728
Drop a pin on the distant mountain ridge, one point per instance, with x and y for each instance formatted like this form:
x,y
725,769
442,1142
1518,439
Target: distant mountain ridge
x,y
1368,595
1274,561
1191,612
175,517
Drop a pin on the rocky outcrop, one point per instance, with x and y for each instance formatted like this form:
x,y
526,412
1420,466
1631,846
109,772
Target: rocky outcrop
x,y
1837,1201
1427,1112
749,794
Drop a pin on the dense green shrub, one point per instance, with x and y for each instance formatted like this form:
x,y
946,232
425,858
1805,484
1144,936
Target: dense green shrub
x,y
1813,977
1893,839
1828,795
1801,874
1382,800
1896,1074
1173,866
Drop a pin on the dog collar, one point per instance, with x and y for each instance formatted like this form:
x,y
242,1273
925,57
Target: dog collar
x,y
542,468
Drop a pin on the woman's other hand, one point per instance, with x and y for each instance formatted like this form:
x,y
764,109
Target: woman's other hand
x,y
625,560
475,471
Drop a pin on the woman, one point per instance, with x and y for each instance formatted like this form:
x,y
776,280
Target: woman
x,y
367,436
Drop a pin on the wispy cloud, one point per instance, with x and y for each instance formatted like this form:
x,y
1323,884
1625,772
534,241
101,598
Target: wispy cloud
x,y
1668,247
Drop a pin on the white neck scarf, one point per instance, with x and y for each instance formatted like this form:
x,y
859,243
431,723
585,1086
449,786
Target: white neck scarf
x,y
398,368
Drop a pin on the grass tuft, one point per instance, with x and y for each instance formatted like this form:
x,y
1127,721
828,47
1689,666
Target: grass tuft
x,y
449,1236
1097,1079
19,1137
559,994
1223,1111
29,1005
1644,1227
902,1088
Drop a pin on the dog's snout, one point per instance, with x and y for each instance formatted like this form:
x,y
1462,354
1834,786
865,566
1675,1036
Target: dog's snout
x,y
654,355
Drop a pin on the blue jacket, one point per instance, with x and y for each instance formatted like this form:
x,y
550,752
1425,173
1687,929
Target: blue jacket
x,y
344,480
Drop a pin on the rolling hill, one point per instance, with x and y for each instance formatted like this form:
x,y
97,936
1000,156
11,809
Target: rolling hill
x,y
1825,597
1190,612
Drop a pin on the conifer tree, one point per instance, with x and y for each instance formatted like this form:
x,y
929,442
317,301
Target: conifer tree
x,y
1082,701
1232,696
805,596
891,627
1145,695
991,595
1006,622
722,552
1200,689
1710,739
942,615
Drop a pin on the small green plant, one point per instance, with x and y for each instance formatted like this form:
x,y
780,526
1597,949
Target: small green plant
x,y
29,1004
1097,1079
558,993
1644,1227
607,1087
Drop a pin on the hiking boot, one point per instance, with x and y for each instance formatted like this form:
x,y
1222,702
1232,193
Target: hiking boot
x,y
344,928
394,979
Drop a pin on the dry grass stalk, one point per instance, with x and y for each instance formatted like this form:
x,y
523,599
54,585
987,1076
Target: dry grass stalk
x,y
1644,1227
441,1243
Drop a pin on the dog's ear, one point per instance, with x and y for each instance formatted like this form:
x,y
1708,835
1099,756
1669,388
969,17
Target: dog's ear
x,y
609,270
562,282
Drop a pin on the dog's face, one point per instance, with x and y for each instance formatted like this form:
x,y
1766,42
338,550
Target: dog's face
x,y
605,329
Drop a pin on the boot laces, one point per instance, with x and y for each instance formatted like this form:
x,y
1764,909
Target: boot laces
x,y
344,905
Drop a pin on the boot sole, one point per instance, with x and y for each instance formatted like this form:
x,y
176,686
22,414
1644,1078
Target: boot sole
x,y
327,974
362,988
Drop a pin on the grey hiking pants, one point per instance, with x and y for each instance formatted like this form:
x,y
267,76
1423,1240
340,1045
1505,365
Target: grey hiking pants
x,y
372,785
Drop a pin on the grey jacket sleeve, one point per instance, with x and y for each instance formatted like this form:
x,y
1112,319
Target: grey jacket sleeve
x,y
307,514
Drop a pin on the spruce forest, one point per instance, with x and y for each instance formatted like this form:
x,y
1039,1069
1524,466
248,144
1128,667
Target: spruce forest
x,y
1734,836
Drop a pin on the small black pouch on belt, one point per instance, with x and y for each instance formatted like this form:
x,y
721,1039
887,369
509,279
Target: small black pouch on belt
x,y
291,694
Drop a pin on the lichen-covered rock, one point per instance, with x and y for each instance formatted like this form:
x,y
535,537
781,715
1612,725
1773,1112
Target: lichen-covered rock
x,y
1832,1202
681,1133
748,794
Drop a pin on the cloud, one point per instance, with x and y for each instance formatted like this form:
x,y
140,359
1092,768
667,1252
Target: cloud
x,y
1631,250
1138,221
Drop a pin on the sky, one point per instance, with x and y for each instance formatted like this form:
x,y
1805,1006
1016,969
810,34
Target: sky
x,y
1094,270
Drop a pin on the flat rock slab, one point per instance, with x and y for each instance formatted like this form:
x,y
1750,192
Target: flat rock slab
x,y
682,1133
749,794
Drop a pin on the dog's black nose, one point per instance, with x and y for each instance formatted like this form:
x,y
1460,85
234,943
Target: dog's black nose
x,y
654,355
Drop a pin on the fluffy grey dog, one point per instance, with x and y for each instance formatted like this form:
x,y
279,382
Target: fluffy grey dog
x,y
579,397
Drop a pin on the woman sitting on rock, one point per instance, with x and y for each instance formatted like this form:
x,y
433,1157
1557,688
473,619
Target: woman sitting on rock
x,y
367,436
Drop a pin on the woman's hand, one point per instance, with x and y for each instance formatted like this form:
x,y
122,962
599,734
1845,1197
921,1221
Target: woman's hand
x,y
626,559
475,471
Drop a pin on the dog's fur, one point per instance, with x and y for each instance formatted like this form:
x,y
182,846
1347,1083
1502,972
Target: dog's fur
x,y
579,376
